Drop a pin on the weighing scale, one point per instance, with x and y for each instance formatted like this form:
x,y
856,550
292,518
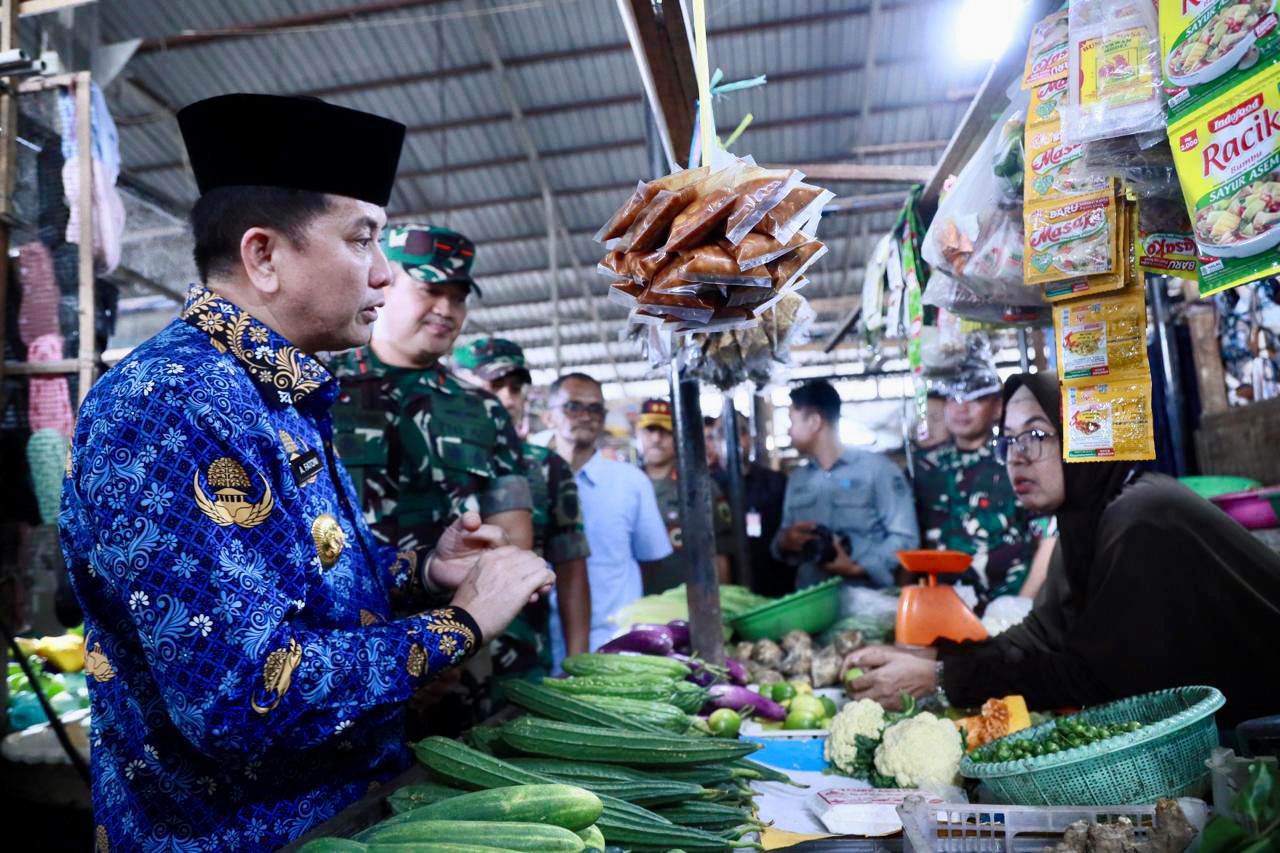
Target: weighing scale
x,y
928,611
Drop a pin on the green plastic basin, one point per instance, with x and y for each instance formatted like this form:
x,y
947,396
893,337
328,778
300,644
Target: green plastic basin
x,y
813,609
1212,487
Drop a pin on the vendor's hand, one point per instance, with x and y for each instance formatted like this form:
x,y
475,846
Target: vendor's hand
x,y
502,582
459,547
843,565
887,672
794,537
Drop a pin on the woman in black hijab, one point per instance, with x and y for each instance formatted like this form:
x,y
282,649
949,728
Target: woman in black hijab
x,y
1152,587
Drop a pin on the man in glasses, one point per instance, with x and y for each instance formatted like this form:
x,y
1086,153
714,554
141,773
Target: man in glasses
x,y
620,512
422,447
498,366
963,497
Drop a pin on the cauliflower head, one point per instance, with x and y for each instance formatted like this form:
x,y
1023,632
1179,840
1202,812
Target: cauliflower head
x,y
920,750
862,719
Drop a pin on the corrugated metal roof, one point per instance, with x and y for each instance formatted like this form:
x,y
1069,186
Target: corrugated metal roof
x,y
572,71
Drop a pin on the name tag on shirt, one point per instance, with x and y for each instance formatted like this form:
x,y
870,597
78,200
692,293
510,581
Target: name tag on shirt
x,y
305,466
755,527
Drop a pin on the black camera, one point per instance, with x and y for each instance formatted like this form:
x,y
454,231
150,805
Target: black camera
x,y
821,549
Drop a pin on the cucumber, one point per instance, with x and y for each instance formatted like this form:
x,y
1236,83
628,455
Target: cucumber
x,y
662,714
608,746
650,687
464,766
558,705
487,739
559,805
432,847
713,817
505,835
624,665
332,845
641,837
592,837
415,796
560,768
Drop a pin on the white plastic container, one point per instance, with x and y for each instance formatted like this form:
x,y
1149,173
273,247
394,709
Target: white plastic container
x,y
948,828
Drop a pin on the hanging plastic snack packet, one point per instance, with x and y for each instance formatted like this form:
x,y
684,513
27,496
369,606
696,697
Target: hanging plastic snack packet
x,y
1228,159
644,267
675,306
758,192
613,264
1047,54
713,265
625,292
1109,421
644,194
650,227
792,213
1071,237
1101,337
1114,81
709,209
1210,47
758,249
1055,168
1163,238
790,267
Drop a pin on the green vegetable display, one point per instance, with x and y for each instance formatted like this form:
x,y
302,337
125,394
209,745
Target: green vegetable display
x,y
1258,805
1066,734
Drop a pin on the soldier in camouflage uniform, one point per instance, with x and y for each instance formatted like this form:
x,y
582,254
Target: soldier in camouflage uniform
x,y
421,446
654,429
524,651
965,502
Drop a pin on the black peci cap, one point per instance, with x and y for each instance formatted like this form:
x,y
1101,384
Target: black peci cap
x,y
291,142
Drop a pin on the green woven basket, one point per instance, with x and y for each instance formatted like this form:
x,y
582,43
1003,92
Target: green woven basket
x,y
1164,758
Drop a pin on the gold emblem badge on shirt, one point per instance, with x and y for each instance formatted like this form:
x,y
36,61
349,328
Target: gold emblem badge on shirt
x,y
329,539
230,502
277,675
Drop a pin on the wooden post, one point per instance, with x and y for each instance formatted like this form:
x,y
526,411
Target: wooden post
x,y
734,457
84,153
1202,320
8,154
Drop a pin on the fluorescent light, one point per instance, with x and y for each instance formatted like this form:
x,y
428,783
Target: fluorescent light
x,y
984,27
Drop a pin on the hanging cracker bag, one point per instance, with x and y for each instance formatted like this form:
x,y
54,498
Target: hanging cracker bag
x,y
712,205
1208,47
645,192
1228,159
1070,237
758,192
1109,421
1101,337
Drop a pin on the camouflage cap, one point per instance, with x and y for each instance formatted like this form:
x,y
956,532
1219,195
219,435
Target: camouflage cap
x,y
431,254
655,413
492,358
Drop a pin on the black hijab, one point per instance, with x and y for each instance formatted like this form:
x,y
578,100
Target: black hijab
x,y
1090,486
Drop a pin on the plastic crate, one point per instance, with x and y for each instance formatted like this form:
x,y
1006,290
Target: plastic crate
x,y
955,828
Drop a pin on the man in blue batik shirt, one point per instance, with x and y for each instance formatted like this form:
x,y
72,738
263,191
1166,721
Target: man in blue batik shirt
x,y
245,672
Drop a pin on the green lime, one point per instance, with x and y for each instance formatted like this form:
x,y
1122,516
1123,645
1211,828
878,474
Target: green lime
x,y
829,707
724,722
802,688
800,721
853,674
782,691
808,705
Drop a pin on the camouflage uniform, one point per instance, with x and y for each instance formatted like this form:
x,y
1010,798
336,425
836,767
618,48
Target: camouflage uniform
x,y
673,570
423,448
966,503
524,650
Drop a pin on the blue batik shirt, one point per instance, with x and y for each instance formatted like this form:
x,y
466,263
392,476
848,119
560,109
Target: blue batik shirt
x,y
245,676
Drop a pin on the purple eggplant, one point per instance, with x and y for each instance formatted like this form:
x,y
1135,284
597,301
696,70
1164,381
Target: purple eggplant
x,y
703,673
680,634
741,699
737,672
649,641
